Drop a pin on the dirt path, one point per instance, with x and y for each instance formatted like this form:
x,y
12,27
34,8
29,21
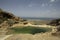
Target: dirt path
x,y
3,37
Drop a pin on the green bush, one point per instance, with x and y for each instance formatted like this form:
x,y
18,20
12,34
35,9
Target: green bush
x,y
31,30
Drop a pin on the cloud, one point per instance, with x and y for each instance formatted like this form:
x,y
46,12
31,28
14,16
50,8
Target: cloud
x,y
53,0
43,5
30,5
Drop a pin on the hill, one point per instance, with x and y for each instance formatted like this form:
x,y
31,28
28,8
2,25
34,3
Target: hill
x,y
8,19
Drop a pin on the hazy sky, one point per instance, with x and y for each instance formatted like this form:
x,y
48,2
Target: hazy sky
x,y
32,8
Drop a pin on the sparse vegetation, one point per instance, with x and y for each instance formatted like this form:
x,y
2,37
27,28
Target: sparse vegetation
x,y
11,22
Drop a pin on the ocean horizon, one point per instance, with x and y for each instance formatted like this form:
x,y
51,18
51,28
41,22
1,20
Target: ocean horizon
x,y
37,18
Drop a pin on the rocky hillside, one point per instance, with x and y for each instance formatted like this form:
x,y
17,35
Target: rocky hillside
x,y
6,16
8,19
55,22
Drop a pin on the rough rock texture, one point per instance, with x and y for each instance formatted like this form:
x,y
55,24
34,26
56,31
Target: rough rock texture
x,y
55,22
6,15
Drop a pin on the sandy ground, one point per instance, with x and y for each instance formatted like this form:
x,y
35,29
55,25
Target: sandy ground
x,y
3,37
40,36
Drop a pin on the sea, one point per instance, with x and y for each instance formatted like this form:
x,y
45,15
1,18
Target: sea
x,y
36,18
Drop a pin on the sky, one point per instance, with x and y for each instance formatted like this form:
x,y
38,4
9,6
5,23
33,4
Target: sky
x,y
32,8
